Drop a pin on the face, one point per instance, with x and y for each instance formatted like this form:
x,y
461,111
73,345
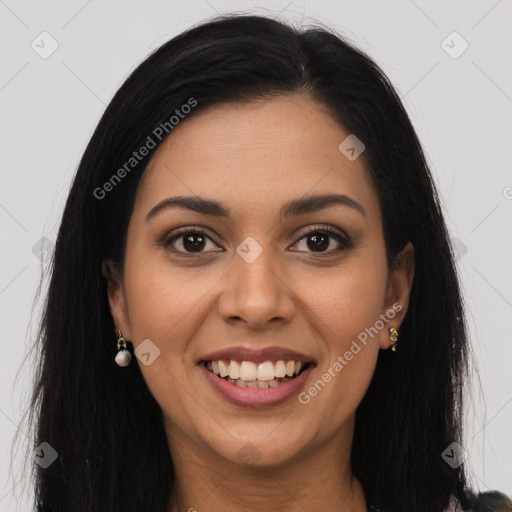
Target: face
x,y
311,279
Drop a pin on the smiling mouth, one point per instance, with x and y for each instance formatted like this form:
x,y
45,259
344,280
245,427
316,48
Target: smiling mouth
x,y
246,374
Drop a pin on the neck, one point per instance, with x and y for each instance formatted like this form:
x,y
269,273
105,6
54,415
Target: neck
x,y
314,480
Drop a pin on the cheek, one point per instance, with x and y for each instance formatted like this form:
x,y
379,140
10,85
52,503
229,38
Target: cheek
x,y
345,302
164,302
337,389
345,309
167,308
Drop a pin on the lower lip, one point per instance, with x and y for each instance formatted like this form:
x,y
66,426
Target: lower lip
x,y
250,397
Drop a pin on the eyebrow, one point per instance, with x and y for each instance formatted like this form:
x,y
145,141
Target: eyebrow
x,y
295,207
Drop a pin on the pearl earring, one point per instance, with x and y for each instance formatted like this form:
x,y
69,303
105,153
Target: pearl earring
x,y
123,356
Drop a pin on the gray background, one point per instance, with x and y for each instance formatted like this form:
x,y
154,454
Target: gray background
x,y
461,108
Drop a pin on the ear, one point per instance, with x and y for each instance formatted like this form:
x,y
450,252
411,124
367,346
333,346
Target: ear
x,y
116,298
398,292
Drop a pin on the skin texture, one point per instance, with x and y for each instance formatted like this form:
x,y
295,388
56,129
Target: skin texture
x,y
253,158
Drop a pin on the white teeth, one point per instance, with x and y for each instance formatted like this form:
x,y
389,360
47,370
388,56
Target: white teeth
x,y
247,374
248,371
280,369
266,371
223,369
234,369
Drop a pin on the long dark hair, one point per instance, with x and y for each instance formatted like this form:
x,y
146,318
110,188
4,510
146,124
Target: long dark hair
x,y
102,419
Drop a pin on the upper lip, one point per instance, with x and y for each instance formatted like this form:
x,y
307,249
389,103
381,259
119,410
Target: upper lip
x,y
257,355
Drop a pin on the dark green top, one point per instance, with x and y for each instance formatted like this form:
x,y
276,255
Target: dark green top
x,y
490,501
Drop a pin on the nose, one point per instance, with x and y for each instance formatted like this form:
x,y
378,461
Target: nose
x,y
257,293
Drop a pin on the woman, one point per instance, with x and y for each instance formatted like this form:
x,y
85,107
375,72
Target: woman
x,y
253,303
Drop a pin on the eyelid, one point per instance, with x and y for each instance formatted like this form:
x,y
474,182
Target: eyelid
x,y
187,229
325,228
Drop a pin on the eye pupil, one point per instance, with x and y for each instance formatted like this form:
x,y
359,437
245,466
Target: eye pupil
x,y
320,241
194,245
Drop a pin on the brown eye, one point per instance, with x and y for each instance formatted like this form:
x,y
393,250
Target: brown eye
x,y
193,242
319,240
188,242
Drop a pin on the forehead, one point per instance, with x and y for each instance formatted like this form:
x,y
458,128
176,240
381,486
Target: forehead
x,y
248,155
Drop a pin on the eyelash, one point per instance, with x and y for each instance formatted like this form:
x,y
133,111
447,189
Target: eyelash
x,y
345,242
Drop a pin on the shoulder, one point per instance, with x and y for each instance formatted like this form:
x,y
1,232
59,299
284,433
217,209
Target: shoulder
x,y
490,501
